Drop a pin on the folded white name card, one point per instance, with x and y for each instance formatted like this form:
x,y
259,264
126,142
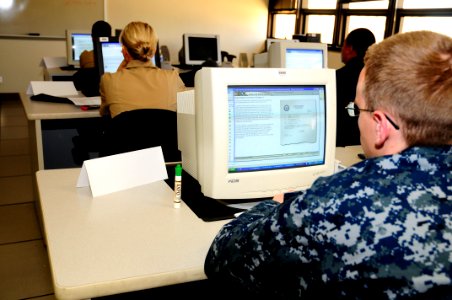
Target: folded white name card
x,y
122,171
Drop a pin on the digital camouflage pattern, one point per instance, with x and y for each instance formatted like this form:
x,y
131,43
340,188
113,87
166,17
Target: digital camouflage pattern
x,y
379,229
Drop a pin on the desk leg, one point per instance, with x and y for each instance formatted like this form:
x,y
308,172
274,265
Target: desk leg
x,y
39,148
34,129
37,163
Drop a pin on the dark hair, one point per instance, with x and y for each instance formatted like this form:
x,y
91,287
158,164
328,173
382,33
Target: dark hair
x,y
360,39
100,28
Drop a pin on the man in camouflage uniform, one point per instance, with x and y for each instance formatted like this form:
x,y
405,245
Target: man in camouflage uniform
x,y
381,229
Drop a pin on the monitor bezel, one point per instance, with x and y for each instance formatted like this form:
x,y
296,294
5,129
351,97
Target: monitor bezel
x,y
277,52
98,42
186,47
212,136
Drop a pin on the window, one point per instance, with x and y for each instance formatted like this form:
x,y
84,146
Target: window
x,y
316,4
284,26
439,24
323,24
369,5
376,24
417,15
421,4
382,17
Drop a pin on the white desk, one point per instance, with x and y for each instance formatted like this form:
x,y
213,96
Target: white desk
x,y
38,111
57,74
125,241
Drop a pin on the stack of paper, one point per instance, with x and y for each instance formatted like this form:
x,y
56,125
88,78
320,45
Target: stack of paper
x,y
52,88
62,89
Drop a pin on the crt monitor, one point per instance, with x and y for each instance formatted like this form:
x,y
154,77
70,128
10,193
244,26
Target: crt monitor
x,y
270,41
77,41
198,48
298,55
109,54
257,132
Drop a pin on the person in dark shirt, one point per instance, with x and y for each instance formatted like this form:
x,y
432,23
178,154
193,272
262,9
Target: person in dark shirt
x,y
380,229
87,79
352,55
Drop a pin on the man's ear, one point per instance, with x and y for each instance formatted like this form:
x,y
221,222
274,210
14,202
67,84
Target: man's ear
x,y
381,128
348,52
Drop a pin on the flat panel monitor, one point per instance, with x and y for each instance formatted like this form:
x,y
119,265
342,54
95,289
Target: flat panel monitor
x,y
77,41
257,132
198,48
298,55
109,54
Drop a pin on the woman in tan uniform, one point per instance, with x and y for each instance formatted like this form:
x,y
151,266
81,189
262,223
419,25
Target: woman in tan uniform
x,y
138,84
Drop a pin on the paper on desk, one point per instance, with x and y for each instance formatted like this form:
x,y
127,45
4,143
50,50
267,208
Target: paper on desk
x,y
123,171
88,101
54,62
52,88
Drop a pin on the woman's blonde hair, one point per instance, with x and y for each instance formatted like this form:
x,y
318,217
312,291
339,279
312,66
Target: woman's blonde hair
x,y
410,75
140,40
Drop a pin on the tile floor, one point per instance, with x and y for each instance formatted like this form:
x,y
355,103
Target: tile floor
x,y
24,265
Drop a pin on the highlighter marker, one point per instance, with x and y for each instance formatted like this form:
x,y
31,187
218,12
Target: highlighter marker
x,y
177,186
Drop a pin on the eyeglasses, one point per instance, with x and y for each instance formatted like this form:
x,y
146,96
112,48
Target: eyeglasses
x,y
353,111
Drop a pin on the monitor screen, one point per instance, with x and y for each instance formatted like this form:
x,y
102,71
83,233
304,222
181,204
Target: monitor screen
x,y
198,48
286,121
298,55
77,41
304,58
257,132
109,54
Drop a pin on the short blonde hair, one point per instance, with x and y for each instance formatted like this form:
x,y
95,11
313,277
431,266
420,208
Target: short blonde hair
x,y
140,40
410,75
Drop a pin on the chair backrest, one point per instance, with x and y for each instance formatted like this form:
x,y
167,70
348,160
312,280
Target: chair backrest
x,y
142,128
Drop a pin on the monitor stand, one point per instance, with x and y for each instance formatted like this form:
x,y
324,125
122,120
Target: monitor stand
x,y
206,208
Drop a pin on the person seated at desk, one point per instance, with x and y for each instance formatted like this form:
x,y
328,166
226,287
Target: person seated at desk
x,y
138,83
87,79
381,229
352,55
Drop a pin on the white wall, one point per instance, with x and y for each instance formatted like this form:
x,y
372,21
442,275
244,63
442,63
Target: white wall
x,y
334,60
241,24
20,61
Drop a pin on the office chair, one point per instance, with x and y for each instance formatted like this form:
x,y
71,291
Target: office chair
x,y
139,129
